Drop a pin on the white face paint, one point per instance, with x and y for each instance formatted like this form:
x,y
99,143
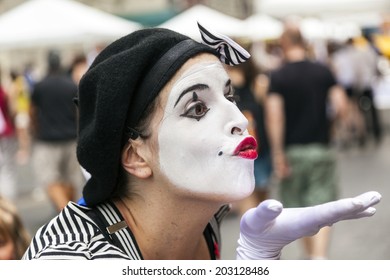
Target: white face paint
x,y
200,134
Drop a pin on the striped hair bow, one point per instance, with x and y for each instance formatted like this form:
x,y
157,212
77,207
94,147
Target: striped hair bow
x,y
229,51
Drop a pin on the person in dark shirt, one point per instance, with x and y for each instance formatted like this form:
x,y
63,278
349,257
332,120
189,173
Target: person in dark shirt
x,y
303,97
54,126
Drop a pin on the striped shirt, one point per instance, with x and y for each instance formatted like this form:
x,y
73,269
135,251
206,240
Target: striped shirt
x,y
75,233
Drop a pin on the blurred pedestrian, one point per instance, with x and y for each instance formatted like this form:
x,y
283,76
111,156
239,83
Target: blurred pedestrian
x,y
367,76
14,237
54,122
20,106
250,99
7,147
298,124
30,76
355,69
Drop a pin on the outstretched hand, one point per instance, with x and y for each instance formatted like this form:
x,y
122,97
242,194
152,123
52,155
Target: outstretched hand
x,y
266,229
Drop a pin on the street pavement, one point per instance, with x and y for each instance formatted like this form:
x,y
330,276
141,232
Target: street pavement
x,y
360,170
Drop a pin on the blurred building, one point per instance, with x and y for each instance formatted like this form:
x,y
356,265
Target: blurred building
x,y
154,12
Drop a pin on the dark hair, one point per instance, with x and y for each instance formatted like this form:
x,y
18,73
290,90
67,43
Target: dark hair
x,y
14,74
53,61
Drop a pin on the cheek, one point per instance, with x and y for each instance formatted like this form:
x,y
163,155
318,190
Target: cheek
x,y
184,149
177,143
191,160
180,135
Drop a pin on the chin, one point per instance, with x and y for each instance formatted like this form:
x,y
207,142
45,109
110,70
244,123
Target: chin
x,y
231,183
230,192
240,187
232,187
239,195
219,193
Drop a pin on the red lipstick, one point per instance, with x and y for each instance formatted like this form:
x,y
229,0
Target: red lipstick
x,y
247,148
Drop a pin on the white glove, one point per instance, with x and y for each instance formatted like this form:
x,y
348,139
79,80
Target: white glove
x,y
266,229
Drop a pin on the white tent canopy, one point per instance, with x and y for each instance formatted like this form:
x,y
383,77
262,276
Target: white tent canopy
x,y
362,19
262,27
313,28
41,23
186,22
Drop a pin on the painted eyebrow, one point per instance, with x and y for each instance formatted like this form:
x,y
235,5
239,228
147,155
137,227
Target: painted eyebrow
x,y
189,89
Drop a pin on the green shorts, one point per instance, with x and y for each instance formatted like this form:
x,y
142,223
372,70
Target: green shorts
x,y
313,177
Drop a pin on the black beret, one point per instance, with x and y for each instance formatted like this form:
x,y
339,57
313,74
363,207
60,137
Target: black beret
x,y
122,81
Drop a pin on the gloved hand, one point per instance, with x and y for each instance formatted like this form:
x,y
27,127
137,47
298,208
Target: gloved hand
x,y
266,229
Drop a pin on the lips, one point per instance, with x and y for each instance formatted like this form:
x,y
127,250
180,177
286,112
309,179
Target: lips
x,y
247,148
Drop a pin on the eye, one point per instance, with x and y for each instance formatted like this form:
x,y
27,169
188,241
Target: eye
x,y
195,109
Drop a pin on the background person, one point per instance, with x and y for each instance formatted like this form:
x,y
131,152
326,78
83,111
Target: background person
x,y
298,124
8,187
14,237
19,100
54,127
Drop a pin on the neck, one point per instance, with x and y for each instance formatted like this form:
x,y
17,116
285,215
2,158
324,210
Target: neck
x,y
168,227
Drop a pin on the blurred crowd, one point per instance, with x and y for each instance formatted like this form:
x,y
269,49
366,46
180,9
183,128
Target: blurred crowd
x,y
38,116
35,112
358,65
305,100
38,127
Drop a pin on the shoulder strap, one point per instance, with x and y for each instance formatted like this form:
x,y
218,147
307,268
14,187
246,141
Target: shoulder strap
x,y
115,230
212,232
106,229
212,244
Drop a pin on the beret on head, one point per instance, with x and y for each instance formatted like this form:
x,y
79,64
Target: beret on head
x,y
122,81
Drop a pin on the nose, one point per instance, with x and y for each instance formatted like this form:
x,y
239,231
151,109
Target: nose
x,y
237,124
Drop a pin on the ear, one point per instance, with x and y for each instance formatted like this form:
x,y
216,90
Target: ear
x,y
134,163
